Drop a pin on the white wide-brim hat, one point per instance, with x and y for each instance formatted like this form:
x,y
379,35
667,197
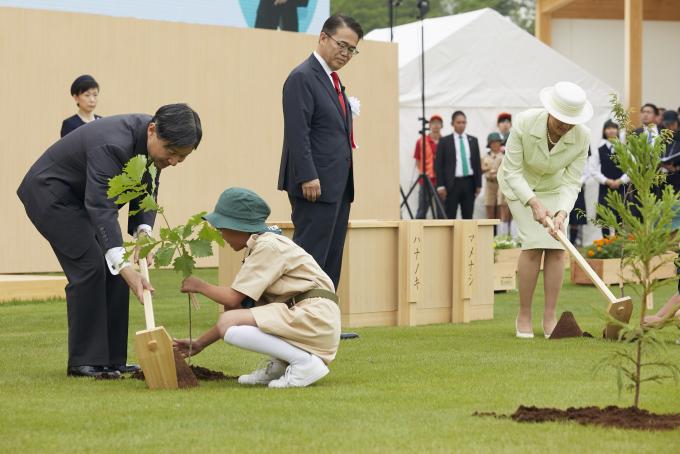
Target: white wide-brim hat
x,y
567,102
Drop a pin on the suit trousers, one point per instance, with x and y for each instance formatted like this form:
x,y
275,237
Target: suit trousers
x,y
270,16
97,302
461,194
320,229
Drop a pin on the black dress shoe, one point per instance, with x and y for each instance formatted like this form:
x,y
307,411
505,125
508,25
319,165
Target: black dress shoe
x,y
90,371
125,368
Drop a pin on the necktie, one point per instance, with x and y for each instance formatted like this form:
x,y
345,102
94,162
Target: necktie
x,y
463,157
336,82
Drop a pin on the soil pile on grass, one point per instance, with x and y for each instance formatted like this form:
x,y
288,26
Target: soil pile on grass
x,y
201,373
566,327
185,376
623,418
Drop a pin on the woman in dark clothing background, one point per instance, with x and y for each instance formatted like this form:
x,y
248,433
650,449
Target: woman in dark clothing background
x,y
85,91
604,170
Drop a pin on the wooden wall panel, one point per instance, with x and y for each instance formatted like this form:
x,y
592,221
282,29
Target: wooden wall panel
x,y
232,77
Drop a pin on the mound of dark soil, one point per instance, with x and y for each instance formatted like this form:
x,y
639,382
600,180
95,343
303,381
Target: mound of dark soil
x,y
621,418
201,373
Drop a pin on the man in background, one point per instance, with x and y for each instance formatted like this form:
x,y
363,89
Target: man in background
x,y
458,169
316,161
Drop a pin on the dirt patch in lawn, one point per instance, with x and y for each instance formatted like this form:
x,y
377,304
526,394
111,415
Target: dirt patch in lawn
x,y
622,418
201,373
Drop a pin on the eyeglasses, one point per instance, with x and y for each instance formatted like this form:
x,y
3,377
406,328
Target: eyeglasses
x,y
344,47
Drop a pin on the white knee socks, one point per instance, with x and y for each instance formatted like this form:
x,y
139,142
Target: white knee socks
x,y
252,338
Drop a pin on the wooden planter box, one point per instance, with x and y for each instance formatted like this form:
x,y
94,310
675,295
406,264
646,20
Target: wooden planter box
x,y
507,256
609,270
408,272
504,276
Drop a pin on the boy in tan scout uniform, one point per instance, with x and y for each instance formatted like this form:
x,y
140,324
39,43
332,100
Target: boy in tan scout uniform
x,y
494,201
295,320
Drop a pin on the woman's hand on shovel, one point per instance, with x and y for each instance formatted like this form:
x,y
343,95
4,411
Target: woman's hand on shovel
x,y
555,224
136,282
182,346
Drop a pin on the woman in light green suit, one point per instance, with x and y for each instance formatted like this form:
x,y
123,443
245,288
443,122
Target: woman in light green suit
x,y
541,176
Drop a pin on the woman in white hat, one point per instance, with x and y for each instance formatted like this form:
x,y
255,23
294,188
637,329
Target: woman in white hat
x,y
540,177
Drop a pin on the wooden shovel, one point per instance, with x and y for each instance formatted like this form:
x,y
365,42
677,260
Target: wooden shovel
x,y
161,366
619,308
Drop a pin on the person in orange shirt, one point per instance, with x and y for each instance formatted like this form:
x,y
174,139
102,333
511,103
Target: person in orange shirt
x,y
431,141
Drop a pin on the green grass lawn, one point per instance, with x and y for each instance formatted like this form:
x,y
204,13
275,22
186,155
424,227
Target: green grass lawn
x,y
394,389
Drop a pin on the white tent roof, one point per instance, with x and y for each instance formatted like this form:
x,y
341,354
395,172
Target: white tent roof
x,y
482,63
481,58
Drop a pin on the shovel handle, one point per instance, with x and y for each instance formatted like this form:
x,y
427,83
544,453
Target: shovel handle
x,y
601,286
148,302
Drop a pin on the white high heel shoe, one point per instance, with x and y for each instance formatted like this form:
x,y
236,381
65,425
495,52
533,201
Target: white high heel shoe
x,y
522,335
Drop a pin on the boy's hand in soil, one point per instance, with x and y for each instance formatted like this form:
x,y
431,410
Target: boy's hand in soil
x,y
182,346
192,284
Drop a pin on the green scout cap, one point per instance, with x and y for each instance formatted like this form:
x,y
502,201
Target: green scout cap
x,y
239,209
493,137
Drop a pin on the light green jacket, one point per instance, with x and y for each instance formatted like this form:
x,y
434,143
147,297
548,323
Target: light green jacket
x,y
529,168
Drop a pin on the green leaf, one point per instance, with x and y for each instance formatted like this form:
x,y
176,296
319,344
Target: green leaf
x,y
196,219
135,168
210,233
148,204
144,250
200,248
164,255
153,171
127,196
184,264
187,231
118,185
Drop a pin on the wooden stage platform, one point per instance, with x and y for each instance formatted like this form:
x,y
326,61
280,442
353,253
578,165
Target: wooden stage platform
x,y
30,287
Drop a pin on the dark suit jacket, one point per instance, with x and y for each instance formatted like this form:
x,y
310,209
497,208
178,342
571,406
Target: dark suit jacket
x,y
72,123
316,138
445,162
74,173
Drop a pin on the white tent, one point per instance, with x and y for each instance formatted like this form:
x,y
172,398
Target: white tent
x,y
483,64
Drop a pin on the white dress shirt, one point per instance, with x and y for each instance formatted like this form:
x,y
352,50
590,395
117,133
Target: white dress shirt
x,y
325,67
459,161
115,255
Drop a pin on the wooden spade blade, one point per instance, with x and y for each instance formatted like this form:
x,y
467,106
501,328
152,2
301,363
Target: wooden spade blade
x,y
622,312
155,354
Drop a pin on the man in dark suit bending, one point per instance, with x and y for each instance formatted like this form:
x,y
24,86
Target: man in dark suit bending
x,y
65,196
458,169
316,162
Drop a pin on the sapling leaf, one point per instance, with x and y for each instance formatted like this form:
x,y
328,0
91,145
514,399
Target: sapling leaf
x,y
153,172
144,250
135,168
148,204
118,185
187,231
210,233
128,196
184,264
200,248
164,254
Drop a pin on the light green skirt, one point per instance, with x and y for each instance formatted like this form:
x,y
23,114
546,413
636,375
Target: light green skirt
x,y
532,234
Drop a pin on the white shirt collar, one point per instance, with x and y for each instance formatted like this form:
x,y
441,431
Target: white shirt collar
x,y
323,63
456,135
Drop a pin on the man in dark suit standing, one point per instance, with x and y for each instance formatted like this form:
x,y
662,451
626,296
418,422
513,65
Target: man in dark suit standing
x,y
316,162
65,196
458,169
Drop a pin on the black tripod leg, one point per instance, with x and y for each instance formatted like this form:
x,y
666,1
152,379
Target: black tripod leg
x,y
435,201
404,198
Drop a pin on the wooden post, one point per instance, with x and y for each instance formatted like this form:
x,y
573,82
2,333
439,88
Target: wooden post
x,y
544,27
411,263
464,269
633,58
